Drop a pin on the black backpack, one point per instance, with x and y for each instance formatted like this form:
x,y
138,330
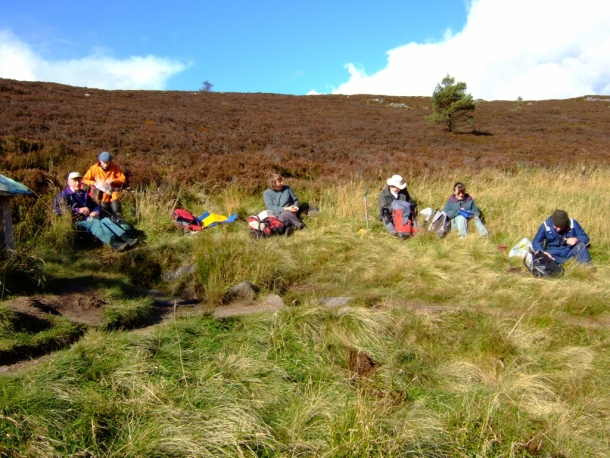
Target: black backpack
x,y
540,265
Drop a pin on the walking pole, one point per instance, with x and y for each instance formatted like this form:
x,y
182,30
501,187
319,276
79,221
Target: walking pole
x,y
366,210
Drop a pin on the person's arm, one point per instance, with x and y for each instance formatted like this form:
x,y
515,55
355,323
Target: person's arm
x,y
451,209
474,209
539,242
579,233
269,203
293,196
118,177
384,205
92,205
59,204
89,177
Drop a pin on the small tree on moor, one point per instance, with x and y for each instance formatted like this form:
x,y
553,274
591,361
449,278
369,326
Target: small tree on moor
x,y
449,101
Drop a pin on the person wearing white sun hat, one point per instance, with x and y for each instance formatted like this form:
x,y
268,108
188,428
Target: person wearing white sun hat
x,y
396,189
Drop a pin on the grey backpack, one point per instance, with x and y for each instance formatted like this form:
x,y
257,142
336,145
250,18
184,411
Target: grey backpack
x,y
438,223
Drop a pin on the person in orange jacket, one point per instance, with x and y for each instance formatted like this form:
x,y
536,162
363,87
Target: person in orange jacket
x,y
106,179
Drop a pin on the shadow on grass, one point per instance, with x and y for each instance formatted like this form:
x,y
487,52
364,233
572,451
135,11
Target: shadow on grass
x,y
19,353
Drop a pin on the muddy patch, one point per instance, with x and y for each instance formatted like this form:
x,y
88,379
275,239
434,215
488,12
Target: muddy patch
x,y
78,307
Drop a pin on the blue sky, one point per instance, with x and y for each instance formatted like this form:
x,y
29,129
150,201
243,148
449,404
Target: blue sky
x,y
501,48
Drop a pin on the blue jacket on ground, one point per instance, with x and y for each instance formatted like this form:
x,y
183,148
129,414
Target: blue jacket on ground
x,y
277,200
548,239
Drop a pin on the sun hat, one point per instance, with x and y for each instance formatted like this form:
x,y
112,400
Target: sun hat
x,y
560,218
397,181
73,175
105,156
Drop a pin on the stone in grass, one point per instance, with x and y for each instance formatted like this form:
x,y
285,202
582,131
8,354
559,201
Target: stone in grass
x,y
273,301
332,302
244,290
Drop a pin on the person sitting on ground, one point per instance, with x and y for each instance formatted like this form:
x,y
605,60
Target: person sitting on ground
x,y
282,201
86,215
561,238
107,179
460,208
396,189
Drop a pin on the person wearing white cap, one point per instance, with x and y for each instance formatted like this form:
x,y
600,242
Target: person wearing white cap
x,y
86,215
396,189
106,179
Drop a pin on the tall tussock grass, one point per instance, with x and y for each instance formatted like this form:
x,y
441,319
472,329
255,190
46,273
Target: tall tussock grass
x,y
468,355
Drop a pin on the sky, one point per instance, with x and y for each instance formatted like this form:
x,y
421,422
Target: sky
x,y
502,49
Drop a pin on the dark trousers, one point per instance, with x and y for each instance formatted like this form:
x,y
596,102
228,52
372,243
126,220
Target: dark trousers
x,y
287,217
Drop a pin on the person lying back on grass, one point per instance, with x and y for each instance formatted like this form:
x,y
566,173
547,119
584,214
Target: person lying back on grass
x,y
561,238
281,200
460,208
86,215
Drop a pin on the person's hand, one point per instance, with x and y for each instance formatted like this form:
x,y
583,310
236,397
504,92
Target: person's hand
x,y
571,241
549,255
292,208
84,211
94,214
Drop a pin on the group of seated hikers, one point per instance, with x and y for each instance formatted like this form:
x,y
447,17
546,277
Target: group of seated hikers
x,y
100,216
93,201
560,237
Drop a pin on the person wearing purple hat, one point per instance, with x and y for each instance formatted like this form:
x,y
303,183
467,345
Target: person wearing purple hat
x,y
561,238
106,179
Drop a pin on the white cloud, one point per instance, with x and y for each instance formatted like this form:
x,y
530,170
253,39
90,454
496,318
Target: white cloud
x,y
535,49
98,70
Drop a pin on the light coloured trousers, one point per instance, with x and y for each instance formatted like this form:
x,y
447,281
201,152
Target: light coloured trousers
x,y
460,224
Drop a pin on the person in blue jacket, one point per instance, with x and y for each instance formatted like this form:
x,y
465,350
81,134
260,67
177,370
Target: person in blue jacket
x,y
86,215
460,208
282,201
561,238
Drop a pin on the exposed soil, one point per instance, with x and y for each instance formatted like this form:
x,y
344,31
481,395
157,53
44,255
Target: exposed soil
x,y
78,307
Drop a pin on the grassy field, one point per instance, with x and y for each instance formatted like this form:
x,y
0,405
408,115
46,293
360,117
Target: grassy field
x,y
464,357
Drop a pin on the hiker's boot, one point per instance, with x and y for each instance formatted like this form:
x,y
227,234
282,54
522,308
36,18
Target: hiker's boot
x,y
118,244
116,207
131,241
106,208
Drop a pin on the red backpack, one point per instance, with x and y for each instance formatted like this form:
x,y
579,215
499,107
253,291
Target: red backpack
x,y
186,220
265,227
402,218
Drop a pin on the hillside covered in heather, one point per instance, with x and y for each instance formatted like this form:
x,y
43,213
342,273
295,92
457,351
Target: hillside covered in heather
x,y
49,129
